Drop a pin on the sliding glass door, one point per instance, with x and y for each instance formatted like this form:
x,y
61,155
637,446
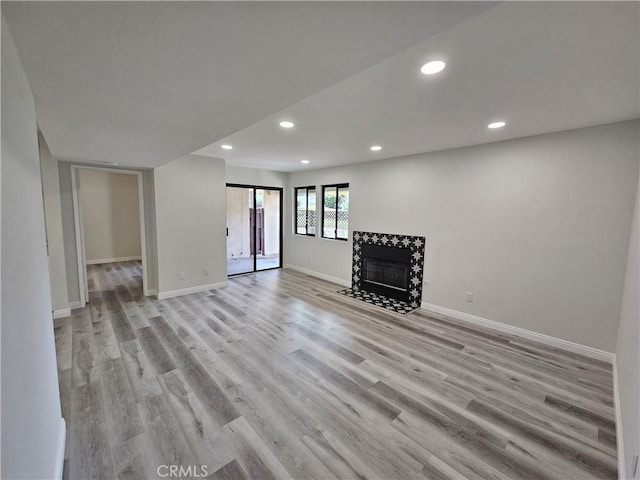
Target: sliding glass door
x,y
254,228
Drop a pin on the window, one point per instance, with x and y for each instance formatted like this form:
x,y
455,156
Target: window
x,y
335,211
306,211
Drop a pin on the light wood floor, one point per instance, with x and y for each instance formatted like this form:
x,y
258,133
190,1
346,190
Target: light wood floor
x,y
277,376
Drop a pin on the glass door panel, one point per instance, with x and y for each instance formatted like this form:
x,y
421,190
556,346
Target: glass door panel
x,y
239,235
254,230
268,228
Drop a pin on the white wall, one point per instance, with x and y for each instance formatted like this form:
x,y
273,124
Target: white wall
x,y
31,415
110,213
537,228
628,349
254,176
53,223
190,218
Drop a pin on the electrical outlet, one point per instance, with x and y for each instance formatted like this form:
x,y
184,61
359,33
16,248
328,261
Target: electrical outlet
x,y
634,463
181,275
205,272
469,296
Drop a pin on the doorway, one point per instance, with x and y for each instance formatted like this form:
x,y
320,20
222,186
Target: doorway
x,y
254,228
110,228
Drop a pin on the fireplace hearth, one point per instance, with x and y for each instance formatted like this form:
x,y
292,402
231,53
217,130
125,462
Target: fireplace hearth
x,y
387,270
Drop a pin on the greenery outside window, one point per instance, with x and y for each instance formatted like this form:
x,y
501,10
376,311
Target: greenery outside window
x,y
305,211
335,211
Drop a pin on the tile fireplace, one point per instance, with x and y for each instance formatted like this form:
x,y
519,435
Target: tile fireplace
x,y
387,270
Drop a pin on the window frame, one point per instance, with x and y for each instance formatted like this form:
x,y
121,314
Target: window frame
x,y
295,203
337,186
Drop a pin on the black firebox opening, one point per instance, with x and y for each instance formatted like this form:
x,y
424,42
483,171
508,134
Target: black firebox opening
x,y
386,271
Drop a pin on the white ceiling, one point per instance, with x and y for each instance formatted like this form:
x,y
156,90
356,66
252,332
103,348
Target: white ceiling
x,y
144,83
541,67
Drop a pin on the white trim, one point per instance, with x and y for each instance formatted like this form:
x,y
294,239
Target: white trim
x,y
151,293
74,305
189,290
113,260
521,332
618,413
62,437
328,278
62,313
79,230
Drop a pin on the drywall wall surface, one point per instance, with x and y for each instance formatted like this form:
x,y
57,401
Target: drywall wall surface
x,y
31,417
537,228
254,176
69,232
191,219
628,349
53,224
111,216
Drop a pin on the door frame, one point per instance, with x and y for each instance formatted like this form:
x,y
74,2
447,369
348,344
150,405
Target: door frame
x,y
254,232
79,228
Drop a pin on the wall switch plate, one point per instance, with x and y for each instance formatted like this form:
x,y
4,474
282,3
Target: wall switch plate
x,y
469,296
205,272
181,275
634,463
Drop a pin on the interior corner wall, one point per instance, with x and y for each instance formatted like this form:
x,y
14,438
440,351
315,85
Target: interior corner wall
x,y
628,350
53,223
537,228
110,215
32,425
190,219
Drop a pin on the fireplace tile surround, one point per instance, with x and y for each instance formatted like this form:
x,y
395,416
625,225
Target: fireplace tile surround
x,y
359,290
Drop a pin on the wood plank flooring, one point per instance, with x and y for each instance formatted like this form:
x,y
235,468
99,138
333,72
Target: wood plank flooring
x,y
278,376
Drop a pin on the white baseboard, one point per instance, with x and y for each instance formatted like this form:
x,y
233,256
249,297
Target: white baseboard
x,y
521,332
113,260
187,291
74,305
150,293
62,313
618,413
62,438
328,278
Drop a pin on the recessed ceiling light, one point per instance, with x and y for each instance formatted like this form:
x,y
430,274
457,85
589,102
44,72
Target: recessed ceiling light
x,y
376,148
433,67
227,147
286,124
496,125
304,161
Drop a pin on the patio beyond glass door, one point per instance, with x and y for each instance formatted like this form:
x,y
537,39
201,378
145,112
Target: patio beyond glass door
x,y
254,228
